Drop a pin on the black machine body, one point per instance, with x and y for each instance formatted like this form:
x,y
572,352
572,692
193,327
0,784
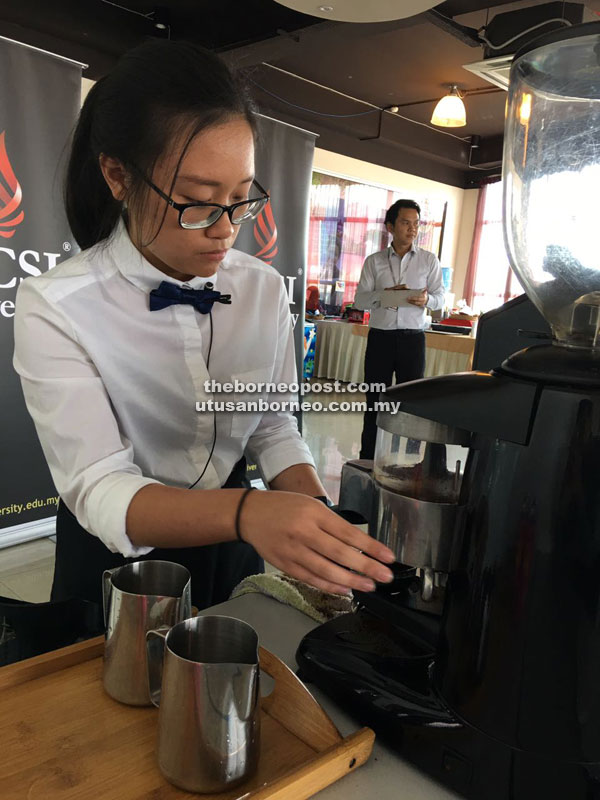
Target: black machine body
x,y
496,692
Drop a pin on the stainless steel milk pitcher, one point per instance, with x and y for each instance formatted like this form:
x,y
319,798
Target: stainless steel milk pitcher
x,y
204,675
138,597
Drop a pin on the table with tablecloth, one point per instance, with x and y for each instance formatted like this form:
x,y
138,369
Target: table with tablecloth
x,y
340,352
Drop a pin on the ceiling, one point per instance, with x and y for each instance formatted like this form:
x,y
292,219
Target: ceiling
x,y
298,65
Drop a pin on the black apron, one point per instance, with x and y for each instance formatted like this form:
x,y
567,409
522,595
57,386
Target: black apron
x,y
216,569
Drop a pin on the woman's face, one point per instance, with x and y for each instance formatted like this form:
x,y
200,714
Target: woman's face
x,y
218,167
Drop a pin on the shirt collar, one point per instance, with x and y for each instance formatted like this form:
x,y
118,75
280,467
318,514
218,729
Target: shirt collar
x,y
413,249
138,270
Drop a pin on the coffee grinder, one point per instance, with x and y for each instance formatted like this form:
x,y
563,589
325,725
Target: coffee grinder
x,y
481,662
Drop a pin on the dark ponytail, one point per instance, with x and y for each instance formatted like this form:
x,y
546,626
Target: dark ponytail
x,y
155,92
91,209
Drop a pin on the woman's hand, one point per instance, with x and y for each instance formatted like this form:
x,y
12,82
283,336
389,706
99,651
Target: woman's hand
x,y
302,537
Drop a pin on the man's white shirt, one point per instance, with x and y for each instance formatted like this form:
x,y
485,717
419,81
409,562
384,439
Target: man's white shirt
x,y
418,269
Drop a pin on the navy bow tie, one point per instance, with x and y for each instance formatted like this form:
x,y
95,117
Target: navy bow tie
x,y
169,294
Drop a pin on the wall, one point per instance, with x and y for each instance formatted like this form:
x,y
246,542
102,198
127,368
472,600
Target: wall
x,y
86,85
347,167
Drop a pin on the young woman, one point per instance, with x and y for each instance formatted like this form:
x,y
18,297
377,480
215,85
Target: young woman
x,y
115,347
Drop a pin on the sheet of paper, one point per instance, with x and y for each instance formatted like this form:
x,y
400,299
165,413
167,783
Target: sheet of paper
x,y
396,298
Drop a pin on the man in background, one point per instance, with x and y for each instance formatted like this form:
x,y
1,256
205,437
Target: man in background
x,y
396,343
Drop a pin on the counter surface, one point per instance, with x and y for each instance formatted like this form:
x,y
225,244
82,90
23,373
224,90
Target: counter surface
x,y
385,776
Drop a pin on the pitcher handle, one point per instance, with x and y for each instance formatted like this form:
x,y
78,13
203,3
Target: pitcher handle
x,y
155,647
107,591
185,603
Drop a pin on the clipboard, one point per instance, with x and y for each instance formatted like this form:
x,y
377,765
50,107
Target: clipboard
x,y
396,298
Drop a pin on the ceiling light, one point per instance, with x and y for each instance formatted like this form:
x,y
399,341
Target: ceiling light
x,y
450,111
160,18
361,10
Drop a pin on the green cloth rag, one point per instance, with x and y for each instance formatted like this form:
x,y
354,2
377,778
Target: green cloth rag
x,y
315,603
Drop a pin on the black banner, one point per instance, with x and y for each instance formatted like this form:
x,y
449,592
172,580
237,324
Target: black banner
x,y
39,102
279,236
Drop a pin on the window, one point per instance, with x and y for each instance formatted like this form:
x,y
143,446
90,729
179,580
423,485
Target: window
x,y
346,225
490,280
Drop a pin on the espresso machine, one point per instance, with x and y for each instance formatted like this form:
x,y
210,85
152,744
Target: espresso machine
x,y
480,664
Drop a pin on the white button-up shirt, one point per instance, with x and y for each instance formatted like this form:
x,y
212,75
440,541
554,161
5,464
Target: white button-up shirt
x,y
418,269
112,387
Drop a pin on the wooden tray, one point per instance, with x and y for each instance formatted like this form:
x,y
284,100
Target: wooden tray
x,y
62,737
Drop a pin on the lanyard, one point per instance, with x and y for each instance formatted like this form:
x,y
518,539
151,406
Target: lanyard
x,y
390,249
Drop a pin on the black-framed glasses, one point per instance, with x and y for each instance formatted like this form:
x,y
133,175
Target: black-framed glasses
x,y
193,216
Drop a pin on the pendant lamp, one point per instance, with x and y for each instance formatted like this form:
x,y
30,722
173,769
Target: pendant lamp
x,y
450,111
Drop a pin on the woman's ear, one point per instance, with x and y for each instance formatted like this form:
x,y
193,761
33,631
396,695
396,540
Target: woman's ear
x,y
115,175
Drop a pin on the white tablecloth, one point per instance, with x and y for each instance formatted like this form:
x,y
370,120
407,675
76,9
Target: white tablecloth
x,y
340,352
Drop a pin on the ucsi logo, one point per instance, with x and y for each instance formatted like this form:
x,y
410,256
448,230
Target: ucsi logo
x,y
10,195
27,261
31,262
265,233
